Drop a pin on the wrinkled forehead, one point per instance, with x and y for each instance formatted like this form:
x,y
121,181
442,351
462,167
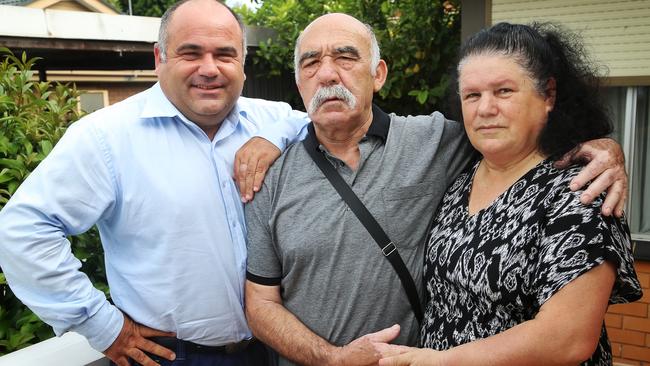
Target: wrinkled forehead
x,y
335,31
333,42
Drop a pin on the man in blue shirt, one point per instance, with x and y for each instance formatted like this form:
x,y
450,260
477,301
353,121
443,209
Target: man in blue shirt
x,y
154,173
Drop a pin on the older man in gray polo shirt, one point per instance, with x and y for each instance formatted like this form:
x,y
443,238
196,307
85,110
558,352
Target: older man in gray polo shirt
x,y
303,238
316,279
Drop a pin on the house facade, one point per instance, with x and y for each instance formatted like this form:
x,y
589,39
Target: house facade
x,y
108,56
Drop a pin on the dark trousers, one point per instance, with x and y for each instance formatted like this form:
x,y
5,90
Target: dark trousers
x,y
256,354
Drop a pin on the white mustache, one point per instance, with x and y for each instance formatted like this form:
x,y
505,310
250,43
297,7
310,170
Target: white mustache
x,y
328,92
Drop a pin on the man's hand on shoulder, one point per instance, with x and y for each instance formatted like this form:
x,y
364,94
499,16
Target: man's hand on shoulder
x,y
605,170
132,343
252,161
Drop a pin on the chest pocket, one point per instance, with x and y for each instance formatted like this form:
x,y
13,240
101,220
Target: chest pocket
x,y
408,211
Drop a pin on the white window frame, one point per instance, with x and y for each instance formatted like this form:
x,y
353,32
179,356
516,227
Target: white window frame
x,y
92,91
628,145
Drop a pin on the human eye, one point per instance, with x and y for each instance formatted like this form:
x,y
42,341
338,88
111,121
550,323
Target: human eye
x,y
346,59
504,91
226,54
225,58
309,63
190,55
470,95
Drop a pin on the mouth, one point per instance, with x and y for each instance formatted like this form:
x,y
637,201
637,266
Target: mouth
x,y
325,102
332,100
488,127
207,87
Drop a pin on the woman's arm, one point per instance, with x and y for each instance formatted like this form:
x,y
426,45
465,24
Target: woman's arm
x,y
565,331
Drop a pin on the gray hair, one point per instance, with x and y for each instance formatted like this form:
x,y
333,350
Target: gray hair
x,y
163,33
375,54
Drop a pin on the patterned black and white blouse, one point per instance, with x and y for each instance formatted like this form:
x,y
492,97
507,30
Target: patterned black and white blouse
x,y
488,272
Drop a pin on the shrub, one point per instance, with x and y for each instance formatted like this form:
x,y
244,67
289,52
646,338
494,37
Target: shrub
x,y
33,117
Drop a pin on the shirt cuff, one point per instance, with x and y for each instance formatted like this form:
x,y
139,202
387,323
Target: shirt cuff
x,y
102,329
266,281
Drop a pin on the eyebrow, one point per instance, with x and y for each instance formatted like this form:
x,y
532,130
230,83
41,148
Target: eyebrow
x,y
351,50
188,47
493,84
227,50
347,49
308,54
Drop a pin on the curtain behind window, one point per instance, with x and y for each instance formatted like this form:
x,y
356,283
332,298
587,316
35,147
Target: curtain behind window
x,y
640,198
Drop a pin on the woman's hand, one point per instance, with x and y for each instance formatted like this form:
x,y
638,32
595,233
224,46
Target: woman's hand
x,y
396,355
414,357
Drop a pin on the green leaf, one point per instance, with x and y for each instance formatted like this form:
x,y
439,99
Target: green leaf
x,y
423,96
28,147
46,146
14,164
27,317
12,187
5,176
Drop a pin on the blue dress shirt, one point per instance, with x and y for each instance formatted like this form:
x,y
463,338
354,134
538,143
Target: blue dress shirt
x,y
168,212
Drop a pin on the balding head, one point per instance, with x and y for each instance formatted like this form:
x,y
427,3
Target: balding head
x,y
329,22
338,70
165,20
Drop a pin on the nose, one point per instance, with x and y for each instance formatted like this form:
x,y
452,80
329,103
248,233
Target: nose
x,y
327,73
487,105
208,66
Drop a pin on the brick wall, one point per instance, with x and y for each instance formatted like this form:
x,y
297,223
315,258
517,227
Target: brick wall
x,y
628,325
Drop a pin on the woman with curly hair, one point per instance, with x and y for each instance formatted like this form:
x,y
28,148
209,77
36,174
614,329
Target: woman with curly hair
x,y
517,270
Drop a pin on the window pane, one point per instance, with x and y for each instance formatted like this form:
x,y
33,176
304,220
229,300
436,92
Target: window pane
x,y
615,97
640,198
91,101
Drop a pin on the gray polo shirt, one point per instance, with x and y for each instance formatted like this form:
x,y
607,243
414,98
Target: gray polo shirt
x,y
302,235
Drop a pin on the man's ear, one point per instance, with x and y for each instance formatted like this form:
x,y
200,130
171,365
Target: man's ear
x,y
551,92
156,56
381,72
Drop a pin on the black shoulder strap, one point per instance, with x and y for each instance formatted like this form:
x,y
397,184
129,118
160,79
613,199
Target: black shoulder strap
x,y
385,244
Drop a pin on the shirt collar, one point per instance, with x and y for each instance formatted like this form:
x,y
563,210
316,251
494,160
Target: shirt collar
x,y
378,127
157,105
380,124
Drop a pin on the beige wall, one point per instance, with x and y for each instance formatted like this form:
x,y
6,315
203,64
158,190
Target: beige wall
x,y
617,32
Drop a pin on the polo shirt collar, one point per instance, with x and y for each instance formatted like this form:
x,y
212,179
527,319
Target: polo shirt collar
x,y
380,124
378,127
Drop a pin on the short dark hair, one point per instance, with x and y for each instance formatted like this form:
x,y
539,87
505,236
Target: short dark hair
x,y
163,33
547,51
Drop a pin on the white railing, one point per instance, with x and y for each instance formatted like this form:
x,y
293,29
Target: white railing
x,y
71,349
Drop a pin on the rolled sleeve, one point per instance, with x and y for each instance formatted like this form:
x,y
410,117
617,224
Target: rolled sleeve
x,y
102,328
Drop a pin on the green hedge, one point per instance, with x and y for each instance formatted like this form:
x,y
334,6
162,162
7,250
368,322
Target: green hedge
x,y
33,117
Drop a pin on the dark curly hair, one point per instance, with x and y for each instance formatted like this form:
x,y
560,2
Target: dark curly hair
x,y
546,51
